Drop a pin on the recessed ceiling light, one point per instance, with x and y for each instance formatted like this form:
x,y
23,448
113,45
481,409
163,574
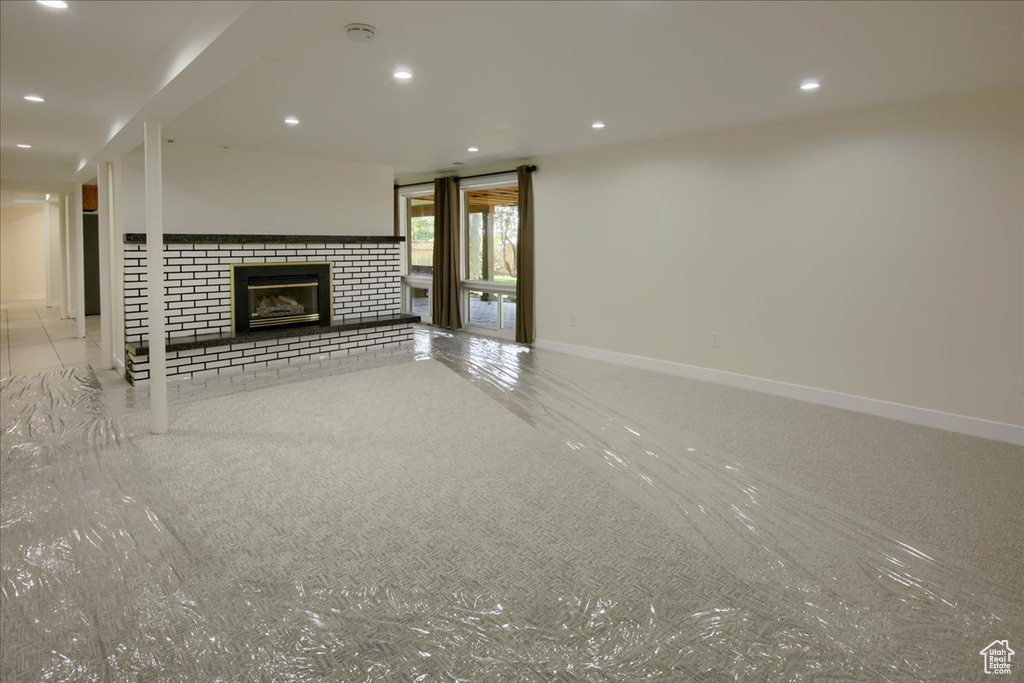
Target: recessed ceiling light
x,y
24,146
53,4
291,120
472,149
403,74
34,98
810,85
597,124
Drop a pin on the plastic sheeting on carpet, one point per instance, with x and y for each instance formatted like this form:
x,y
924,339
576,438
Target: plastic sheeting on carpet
x,y
847,601
798,590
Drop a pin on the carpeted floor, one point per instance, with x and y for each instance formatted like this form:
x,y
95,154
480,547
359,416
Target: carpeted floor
x,y
364,482
481,513
957,495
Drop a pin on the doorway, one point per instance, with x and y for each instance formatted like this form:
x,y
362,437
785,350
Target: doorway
x,y
91,256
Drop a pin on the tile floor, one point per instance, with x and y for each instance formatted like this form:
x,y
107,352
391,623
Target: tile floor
x,y
33,338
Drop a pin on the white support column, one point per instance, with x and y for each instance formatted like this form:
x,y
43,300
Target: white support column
x,y
117,261
155,280
79,261
53,211
106,302
49,251
65,258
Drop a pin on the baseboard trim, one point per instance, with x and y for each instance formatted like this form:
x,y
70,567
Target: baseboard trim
x,y
22,298
973,426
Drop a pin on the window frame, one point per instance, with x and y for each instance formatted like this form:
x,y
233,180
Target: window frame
x,y
409,281
500,289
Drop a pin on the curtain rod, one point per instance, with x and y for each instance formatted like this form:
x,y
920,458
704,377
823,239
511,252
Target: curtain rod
x,y
529,169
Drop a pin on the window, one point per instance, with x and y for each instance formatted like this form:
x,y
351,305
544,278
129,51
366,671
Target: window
x,y
421,236
492,220
419,300
490,211
416,221
489,263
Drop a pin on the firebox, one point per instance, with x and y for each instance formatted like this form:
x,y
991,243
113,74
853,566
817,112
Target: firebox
x,y
275,295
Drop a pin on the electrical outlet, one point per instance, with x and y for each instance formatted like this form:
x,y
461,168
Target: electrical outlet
x,y
572,320
1021,385
716,339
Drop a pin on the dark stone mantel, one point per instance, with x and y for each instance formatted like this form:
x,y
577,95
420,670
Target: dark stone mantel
x,y
208,238
207,340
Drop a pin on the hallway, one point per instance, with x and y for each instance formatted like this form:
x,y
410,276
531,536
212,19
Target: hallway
x,y
33,338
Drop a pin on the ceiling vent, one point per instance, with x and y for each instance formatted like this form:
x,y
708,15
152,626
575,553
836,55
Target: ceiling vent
x,y
361,33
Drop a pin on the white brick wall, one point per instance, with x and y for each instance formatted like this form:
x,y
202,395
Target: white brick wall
x,y
366,282
232,358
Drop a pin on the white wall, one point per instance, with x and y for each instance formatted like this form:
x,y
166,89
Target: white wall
x,y
876,253
22,252
214,190
56,272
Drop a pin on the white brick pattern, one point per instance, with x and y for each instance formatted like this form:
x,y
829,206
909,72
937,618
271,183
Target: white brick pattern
x,y
366,282
268,353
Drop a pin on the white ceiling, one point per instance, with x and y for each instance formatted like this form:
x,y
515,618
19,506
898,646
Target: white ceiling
x,y
86,61
516,79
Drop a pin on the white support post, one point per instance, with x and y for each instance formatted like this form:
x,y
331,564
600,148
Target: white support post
x,y
53,211
155,280
106,302
117,261
79,262
49,251
65,259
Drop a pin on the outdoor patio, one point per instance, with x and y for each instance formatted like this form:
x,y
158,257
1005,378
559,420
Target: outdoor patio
x,y
482,313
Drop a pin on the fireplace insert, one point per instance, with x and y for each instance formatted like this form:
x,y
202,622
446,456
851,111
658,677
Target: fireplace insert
x,y
275,295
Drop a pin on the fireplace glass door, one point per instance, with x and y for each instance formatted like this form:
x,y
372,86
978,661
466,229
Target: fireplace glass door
x,y
269,295
283,303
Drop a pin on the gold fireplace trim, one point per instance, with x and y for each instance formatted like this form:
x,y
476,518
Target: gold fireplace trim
x,y
330,278
280,286
285,319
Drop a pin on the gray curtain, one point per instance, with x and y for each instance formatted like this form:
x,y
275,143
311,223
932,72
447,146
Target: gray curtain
x,y
524,280
445,306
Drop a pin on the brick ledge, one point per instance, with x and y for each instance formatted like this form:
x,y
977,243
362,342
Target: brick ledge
x,y
204,341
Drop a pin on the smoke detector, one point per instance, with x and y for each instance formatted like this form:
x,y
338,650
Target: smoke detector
x,y
361,33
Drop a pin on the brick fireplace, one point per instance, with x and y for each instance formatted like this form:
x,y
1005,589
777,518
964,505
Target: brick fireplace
x,y
356,304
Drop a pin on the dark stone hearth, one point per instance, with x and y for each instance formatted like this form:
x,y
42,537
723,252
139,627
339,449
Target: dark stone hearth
x,y
202,238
